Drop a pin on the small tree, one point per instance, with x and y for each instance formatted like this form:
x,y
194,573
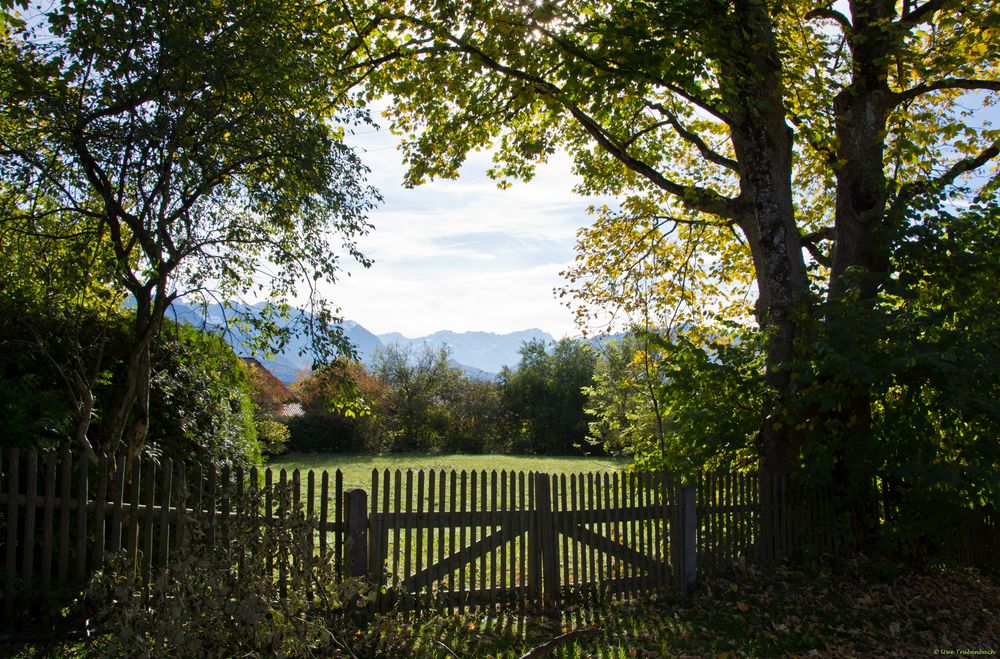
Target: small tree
x,y
198,143
546,394
419,385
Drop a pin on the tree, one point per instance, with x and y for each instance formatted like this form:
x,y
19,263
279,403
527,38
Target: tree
x,y
798,132
689,407
345,408
198,143
545,394
479,421
419,386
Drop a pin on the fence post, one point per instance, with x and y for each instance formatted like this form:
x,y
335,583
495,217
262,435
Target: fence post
x,y
534,543
356,536
545,546
688,545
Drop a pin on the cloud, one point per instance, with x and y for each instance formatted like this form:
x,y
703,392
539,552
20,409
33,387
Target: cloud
x,y
462,254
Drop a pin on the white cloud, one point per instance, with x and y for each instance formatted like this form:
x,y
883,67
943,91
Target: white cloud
x,y
463,255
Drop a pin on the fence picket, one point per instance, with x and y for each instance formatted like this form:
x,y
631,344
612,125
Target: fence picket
x,y
311,526
10,559
62,572
408,536
506,521
48,515
166,486
296,573
483,529
383,534
324,510
522,545
418,563
462,523
442,498
340,515
575,577
494,527
182,501
30,494
146,558
133,473
397,494
100,513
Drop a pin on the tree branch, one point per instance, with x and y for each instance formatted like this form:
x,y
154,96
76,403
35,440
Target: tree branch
x,y
695,197
548,647
707,152
898,98
834,15
922,13
686,95
910,191
811,242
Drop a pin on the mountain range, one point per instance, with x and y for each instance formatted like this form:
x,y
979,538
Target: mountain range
x,y
480,355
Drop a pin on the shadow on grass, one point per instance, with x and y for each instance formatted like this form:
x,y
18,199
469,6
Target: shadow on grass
x,y
847,610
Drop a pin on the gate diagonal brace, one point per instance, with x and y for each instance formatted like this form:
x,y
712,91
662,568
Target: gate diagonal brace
x,y
611,548
432,573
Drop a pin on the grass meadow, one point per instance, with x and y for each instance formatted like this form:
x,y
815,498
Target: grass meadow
x,y
357,468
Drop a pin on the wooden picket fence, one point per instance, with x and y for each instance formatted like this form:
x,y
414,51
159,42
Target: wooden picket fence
x,y
487,538
441,539
64,517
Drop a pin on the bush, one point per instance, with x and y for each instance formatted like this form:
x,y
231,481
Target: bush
x,y
200,407
273,436
323,433
220,599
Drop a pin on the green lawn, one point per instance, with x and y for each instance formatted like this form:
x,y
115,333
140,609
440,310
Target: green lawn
x,y
357,468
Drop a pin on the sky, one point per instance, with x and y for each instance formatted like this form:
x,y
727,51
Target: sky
x,y
462,254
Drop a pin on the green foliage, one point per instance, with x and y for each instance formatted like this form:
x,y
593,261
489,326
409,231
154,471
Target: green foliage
x,y
55,368
140,133
923,359
545,396
343,409
478,419
670,402
201,408
221,598
273,436
418,388
755,150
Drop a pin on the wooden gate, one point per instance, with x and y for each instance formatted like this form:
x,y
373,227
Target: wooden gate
x,y
457,539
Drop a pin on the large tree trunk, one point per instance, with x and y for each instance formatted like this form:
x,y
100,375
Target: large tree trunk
x,y
861,250
860,258
762,141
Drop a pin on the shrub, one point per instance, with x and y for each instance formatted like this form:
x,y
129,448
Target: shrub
x,y
273,436
219,597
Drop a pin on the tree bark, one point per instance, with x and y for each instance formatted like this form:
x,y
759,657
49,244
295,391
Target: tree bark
x,y
762,140
861,254
130,420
